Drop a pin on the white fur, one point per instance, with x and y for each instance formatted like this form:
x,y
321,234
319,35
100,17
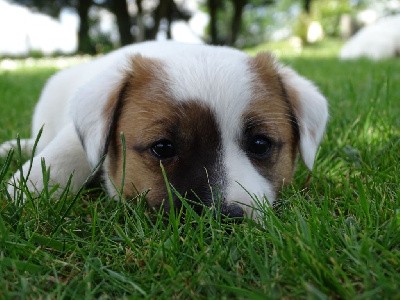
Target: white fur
x,y
244,182
223,83
26,146
377,41
74,100
66,157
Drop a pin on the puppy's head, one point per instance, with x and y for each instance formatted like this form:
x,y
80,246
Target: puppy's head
x,y
224,126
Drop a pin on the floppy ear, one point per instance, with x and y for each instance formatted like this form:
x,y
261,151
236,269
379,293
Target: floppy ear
x,y
310,108
93,108
96,105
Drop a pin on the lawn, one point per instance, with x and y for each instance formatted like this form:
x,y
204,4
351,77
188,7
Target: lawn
x,y
338,238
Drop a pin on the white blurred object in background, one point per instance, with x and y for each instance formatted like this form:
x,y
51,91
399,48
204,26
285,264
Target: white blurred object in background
x,y
315,33
23,31
377,41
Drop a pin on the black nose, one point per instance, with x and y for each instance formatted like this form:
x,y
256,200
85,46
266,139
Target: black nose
x,y
233,211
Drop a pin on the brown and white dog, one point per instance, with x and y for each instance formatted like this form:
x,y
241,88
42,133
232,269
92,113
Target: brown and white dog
x,y
217,119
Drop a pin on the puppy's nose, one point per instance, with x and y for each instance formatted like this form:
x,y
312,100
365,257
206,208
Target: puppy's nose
x,y
233,211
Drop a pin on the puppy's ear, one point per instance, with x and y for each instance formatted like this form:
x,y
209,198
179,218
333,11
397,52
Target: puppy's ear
x,y
96,105
92,110
310,108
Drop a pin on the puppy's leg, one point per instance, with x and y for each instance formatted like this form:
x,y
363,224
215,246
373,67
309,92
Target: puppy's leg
x,y
26,146
64,155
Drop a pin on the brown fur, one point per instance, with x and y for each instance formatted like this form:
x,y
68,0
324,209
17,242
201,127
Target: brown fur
x,y
147,115
271,114
139,89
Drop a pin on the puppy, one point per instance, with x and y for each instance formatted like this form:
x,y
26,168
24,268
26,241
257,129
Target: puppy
x,y
225,126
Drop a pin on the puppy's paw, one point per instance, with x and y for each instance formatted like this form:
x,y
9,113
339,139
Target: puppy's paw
x,y
5,148
25,144
29,181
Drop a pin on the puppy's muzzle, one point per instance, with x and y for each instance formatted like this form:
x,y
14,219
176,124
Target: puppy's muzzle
x,y
232,211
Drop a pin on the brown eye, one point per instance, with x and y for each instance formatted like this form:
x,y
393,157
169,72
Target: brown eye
x,y
163,149
259,146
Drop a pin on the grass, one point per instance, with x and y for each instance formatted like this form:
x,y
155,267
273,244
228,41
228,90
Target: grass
x,y
340,238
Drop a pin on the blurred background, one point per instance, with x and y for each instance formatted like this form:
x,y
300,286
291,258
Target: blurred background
x,y
36,28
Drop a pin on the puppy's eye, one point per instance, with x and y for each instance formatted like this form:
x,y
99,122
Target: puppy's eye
x,y
259,146
163,149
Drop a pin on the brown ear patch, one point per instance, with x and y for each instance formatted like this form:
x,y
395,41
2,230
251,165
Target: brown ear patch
x,y
141,78
139,72
145,72
271,114
267,77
